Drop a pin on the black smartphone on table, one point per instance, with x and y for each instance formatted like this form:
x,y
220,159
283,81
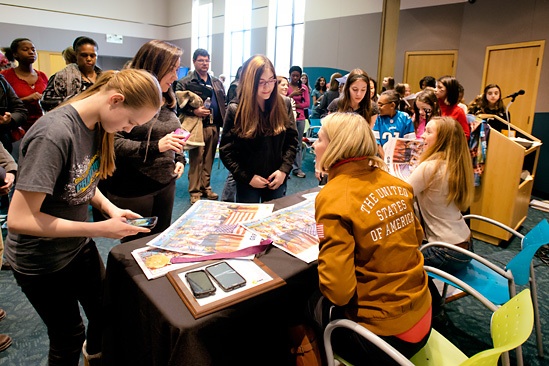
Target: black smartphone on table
x,y
225,276
200,283
148,222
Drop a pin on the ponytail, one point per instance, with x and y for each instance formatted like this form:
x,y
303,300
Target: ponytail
x,y
140,90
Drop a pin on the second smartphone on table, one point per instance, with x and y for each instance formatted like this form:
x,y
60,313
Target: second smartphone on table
x,y
225,276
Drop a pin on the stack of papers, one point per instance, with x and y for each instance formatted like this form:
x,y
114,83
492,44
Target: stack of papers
x,y
540,205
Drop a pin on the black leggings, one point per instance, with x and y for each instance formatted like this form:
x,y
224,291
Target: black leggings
x,y
55,296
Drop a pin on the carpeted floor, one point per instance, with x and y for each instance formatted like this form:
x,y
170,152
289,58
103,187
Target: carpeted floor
x,y
469,326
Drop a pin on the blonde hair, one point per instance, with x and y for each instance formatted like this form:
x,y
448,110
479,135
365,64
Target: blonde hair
x,y
349,136
452,150
69,55
249,121
140,90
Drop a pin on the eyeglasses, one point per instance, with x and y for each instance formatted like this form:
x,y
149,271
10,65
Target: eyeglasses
x,y
264,83
380,104
426,110
203,61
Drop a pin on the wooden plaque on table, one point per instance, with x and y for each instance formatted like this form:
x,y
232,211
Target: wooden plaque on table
x,y
199,311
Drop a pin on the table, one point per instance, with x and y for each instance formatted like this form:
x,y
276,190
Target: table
x,y
147,323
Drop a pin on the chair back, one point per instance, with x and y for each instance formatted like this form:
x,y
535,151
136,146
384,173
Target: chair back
x,y
511,326
314,122
520,264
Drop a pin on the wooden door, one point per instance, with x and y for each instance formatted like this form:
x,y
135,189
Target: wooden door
x,y
49,62
514,67
433,63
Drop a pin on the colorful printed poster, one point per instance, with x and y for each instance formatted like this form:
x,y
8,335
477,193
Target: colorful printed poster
x,y
292,229
402,156
211,227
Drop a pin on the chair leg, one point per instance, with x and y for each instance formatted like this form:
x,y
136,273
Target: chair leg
x,y
537,321
444,293
513,293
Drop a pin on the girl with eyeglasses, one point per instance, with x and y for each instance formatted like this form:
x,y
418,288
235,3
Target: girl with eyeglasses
x,y
259,140
425,108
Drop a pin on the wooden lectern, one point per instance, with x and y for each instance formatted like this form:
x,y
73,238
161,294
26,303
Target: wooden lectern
x,y
503,194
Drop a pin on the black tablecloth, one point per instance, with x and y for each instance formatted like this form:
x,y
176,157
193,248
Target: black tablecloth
x,y
147,323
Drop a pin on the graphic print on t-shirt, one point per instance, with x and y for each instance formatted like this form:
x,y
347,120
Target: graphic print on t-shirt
x,y
83,179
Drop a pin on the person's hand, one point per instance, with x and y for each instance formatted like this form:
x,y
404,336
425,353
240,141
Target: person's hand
x,y
201,112
319,174
9,179
179,169
276,179
171,141
117,228
297,92
116,211
5,119
32,97
259,182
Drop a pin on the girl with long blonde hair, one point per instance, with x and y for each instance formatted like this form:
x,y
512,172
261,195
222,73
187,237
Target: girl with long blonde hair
x,y
370,268
49,243
443,184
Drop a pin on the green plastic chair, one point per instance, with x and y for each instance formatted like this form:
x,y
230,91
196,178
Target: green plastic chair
x,y
498,284
511,326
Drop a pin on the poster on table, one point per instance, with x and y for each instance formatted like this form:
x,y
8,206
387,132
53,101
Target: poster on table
x,y
292,229
207,228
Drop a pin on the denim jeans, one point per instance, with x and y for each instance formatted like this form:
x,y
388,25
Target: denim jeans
x,y
299,151
245,193
446,259
229,189
55,296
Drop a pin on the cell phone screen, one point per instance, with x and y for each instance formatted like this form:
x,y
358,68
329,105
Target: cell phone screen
x,y
148,222
227,278
200,283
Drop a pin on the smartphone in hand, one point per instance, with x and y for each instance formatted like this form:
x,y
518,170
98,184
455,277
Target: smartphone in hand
x,y
225,276
148,222
200,284
181,131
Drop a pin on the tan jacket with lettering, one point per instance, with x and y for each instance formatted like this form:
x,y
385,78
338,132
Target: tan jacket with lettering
x,y
369,260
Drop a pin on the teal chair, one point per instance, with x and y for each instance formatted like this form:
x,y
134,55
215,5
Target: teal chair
x,y
498,284
511,325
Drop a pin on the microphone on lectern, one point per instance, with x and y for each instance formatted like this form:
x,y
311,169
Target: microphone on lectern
x,y
514,95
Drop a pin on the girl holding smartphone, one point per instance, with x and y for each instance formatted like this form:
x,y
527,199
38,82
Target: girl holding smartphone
x,y
49,245
259,140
